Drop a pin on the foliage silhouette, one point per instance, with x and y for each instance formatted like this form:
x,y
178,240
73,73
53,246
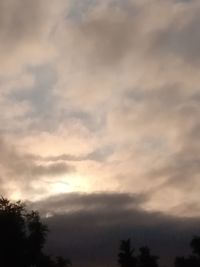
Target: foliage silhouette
x,y
22,238
145,259
126,257
192,260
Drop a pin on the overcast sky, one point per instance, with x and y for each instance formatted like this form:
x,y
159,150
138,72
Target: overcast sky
x,y
101,96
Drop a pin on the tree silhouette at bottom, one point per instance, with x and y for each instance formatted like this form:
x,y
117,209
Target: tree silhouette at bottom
x,y
22,238
127,257
192,260
145,259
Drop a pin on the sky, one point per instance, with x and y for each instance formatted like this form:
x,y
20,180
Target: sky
x,y
99,114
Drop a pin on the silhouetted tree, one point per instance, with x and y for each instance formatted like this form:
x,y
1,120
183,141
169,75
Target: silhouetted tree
x,y
22,237
195,245
36,236
126,256
145,259
192,260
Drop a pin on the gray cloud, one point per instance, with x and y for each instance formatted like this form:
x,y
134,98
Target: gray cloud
x,y
25,27
112,33
99,155
52,169
180,39
84,201
107,34
20,20
23,170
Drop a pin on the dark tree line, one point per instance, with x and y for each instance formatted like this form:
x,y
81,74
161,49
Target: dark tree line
x,y
22,238
128,258
192,260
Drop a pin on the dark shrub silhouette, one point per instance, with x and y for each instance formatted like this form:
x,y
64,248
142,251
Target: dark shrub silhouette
x,y
145,259
126,257
22,238
192,260
195,245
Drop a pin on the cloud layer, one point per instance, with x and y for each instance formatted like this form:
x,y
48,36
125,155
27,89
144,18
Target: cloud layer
x,y
101,96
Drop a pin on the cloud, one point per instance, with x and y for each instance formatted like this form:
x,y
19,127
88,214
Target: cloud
x,y
52,169
142,69
25,173
127,89
25,28
181,38
98,155
123,104
20,164
114,47
74,202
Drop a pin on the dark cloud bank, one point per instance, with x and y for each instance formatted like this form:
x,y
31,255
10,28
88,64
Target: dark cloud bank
x,y
88,228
